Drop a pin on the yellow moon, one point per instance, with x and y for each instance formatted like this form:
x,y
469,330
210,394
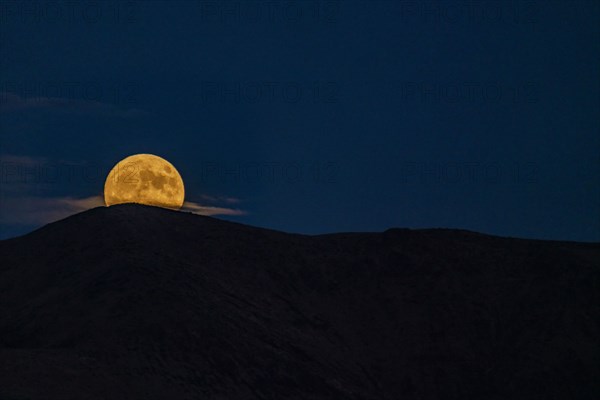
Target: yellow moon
x,y
144,179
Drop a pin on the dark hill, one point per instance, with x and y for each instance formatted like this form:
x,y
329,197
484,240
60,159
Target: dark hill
x,y
136,302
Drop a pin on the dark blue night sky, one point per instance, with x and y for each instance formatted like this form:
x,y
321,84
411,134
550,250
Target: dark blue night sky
x,y
311,116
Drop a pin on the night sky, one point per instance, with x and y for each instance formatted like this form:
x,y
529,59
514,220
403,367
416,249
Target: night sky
x,y
310,116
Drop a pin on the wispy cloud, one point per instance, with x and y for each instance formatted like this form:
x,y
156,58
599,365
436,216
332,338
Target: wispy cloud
x,y
21,160
18,203
220,199
30,210
210,210
11,102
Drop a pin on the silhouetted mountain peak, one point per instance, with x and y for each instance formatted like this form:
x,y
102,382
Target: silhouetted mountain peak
x,y
133,301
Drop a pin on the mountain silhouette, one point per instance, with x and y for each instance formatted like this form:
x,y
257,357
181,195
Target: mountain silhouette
x,y
138,302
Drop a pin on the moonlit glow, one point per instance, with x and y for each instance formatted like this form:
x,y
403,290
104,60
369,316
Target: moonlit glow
x,y
144,179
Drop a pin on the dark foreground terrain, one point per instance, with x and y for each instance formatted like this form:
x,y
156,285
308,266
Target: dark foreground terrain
x,y
135,302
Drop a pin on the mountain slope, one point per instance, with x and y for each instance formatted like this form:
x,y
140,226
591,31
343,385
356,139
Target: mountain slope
x,y
138,302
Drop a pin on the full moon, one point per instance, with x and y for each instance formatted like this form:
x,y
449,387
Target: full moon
x,y
144,179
